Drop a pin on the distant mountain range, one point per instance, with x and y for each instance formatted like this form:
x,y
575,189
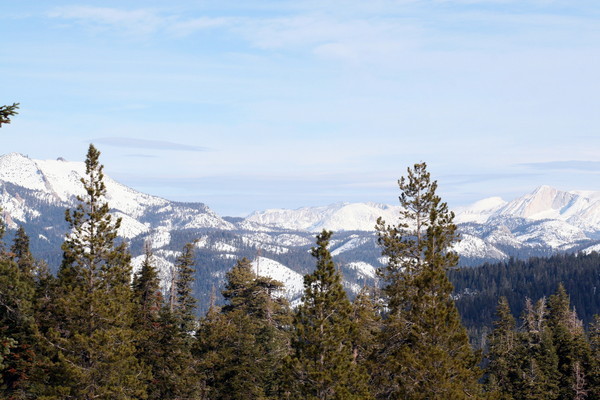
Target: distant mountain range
x,y
36,193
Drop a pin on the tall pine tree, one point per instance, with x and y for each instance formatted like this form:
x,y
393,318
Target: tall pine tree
x,y
169,347
92,306
426,352
324,363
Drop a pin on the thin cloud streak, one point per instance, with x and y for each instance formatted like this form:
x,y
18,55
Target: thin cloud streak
x,y
147,144
572,165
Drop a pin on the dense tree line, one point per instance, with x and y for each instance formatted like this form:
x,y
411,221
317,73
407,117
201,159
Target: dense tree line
x,y
478,289
93,332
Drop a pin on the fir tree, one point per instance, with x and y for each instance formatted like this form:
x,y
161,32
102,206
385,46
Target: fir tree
x,y
185,301
537,355
241,346
92,305
502,371
572,348
8,111
147,324
146,292
169,347
594,373
18,331
425,349
20,252
367,319
324,363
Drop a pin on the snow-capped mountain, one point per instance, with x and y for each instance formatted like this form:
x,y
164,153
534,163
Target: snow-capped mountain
x,y
35,194
336,217
539,223
58,183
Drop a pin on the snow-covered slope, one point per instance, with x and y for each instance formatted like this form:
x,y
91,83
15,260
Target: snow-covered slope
x,y
58,183
293,281
541,222
480,211
335,217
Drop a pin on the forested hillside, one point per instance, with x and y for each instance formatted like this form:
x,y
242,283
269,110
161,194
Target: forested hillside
x,y
477,290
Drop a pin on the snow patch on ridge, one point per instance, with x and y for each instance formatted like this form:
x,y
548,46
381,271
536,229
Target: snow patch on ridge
x,y
293,281
363,268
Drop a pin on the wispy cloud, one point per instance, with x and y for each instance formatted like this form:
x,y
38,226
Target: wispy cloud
x,y
190,26
147,144
462,179
138,22
392,26
573,165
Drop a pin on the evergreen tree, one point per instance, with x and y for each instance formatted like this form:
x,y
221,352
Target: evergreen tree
x,y
169,347
146,292
18,330
425,349
366,316
147,323
572,348
324,362
8,111
502,371
367,319
185,301
241,346
21,253
537,357
92,305
594,373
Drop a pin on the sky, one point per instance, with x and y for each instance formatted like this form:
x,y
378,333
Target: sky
x,y
249,105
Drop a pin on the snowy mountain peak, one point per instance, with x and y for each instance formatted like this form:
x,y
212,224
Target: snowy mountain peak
x,y
58,182
479,211
545,202
336,217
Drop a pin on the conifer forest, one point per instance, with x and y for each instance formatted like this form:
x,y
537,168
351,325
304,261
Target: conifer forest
x,y
95,330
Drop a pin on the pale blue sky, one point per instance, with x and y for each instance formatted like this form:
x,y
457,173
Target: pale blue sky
x,y
260,104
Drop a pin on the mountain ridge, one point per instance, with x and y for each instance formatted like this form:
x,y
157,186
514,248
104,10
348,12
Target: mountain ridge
x,y
35,193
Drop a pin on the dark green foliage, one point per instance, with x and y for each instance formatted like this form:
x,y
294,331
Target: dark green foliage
x,y
367,319
536,355
425,349
502,371
92,306
150,328
8,111
241,346
594,373
572,348
547,357
324,363
18,330
185,303
146,292
20,252
480,288
174,369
